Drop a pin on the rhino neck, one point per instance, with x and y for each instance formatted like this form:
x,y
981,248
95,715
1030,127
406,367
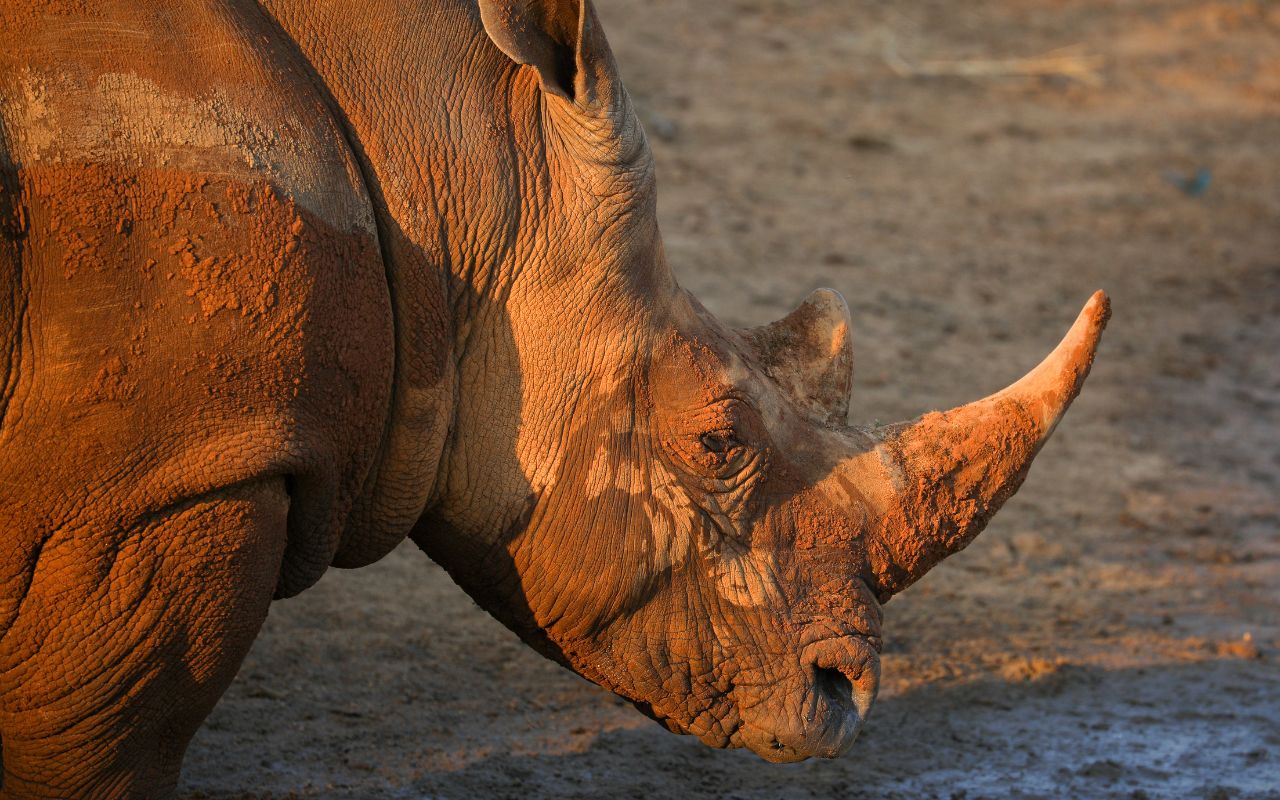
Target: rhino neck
x,y
400,89
556,308
516,282
536,361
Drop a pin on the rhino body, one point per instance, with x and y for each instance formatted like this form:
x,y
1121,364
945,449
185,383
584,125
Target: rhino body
x,y
284,283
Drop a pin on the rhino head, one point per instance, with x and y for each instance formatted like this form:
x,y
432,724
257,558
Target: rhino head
x,y
680,511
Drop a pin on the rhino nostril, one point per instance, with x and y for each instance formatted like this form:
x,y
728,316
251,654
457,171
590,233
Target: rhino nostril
x,y
835,685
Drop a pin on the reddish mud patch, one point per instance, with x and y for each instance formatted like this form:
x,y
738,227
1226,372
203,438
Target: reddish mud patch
x,y
1113,633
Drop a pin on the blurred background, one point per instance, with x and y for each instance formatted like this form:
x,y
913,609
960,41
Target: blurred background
x,y
966,174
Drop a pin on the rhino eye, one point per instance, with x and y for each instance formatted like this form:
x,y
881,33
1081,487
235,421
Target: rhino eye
x,y
717,442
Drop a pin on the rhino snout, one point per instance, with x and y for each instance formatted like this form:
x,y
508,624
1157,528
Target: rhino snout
x,y
838,685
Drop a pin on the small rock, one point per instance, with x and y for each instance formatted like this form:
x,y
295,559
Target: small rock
x,y
1243,648
867,142
1106,769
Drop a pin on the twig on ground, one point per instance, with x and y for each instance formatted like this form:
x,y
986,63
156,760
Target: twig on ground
x,y
1065,62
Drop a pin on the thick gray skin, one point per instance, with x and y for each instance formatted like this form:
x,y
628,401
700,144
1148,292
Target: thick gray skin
x,y
475,341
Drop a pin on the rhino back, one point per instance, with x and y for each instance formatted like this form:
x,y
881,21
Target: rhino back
x,y
193,294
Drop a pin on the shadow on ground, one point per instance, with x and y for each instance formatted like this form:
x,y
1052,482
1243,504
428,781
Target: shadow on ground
x,y
1074,732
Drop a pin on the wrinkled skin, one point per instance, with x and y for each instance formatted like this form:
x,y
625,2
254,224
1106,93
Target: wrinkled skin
x,y
283,284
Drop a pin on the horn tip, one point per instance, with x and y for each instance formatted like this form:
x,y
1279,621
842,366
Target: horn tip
x,y
1098,310
1091,322
1067,367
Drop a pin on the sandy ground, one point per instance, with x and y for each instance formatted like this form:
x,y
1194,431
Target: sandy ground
x,y
1115,632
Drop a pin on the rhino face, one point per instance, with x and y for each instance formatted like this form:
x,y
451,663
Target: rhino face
x,y
687,518
718,543
749,534
788,664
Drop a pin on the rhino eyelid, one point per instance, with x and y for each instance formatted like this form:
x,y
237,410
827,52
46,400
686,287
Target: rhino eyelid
x,y
718,442
734,397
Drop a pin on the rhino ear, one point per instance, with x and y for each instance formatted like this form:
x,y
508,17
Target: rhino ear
x,y
809,353
543,34
561,39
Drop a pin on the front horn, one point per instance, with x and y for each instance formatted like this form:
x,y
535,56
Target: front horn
x,y
948,472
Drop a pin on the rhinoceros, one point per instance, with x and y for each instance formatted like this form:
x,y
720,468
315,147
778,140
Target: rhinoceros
x,y
286,282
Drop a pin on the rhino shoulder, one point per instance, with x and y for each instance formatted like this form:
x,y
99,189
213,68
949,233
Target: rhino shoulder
x,y
198,267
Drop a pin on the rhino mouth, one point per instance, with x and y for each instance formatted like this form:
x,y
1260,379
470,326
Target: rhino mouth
x,y
823,716
817,713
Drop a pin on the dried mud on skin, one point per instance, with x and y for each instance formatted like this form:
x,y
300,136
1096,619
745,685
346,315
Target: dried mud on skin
x,y
1114,631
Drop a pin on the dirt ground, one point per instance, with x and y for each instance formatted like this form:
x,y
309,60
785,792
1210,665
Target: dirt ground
x,y
1115,632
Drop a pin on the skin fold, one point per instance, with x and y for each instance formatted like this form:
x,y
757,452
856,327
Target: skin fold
x,y
283,283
